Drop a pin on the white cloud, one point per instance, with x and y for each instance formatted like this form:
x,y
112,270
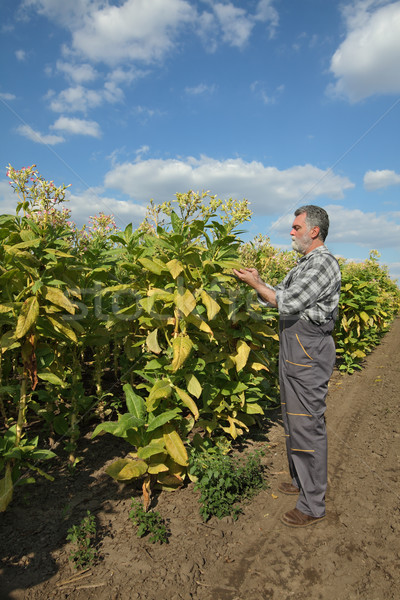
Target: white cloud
x,y
77,127
76,99
235,24
145,32
367,229
20,55
91,202
367,61
201,88
66,14
375,180
259,88
6,96
39,138
78,73
268,189
136,30
267,13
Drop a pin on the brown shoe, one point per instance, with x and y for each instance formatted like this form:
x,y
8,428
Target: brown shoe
x,y
288,488
296,518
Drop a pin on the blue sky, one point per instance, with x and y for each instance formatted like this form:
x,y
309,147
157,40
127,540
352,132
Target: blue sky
x,y
282,102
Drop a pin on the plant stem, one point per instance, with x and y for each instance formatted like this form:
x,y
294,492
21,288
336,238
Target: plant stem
x,y
22,406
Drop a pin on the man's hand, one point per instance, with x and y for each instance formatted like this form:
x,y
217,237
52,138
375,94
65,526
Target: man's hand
x,y
249,276
253,279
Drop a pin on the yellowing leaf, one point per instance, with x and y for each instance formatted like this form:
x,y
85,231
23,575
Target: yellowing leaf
x,y
124,469
199,323
6,489
174,445
175,267
193,385
160,294
152,342
181,349
63,328
252,408
169,482
364,317
28,316
242,354
151,266
258,366
161,389
57,297
185,301
158,468
146,489
188,402
147,303
6,307
211,305
51,378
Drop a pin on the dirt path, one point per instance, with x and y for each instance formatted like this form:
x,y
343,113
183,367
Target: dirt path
x,y
353,554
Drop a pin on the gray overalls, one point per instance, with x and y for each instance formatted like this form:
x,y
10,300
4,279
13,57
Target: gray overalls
x,y
306,360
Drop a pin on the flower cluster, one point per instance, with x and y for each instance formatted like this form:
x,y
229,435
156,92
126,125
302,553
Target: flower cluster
x,y
271,262
34,192
101,226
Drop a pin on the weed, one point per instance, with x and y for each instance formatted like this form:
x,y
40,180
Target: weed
x,y
148,522
225,481
83,536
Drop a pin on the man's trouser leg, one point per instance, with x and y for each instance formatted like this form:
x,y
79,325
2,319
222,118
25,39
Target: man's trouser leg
x,y
307,357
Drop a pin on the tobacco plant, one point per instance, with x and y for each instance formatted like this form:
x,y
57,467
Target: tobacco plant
x,y
197,344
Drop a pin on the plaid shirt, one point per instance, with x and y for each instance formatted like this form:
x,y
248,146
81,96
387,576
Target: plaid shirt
x,y
311,289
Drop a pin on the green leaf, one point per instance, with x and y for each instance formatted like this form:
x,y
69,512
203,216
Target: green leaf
x,y
51,378
119,428
174,445
252,408
188,402
60,425
147,303
135,403
28,316
182,347
193,385
151,450
165,417
176,222
161,389
8,341
22,245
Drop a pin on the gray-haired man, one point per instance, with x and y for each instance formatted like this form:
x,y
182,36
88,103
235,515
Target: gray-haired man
x,y
307,300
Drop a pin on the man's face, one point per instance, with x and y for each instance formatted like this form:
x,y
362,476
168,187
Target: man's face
x,y
301,235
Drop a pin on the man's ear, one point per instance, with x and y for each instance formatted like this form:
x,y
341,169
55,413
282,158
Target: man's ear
x,y
315,232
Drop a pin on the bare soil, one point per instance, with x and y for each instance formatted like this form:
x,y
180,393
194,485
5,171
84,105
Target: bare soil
x,y
352,554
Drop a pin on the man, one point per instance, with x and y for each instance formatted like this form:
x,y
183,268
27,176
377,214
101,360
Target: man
x,y
307,301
